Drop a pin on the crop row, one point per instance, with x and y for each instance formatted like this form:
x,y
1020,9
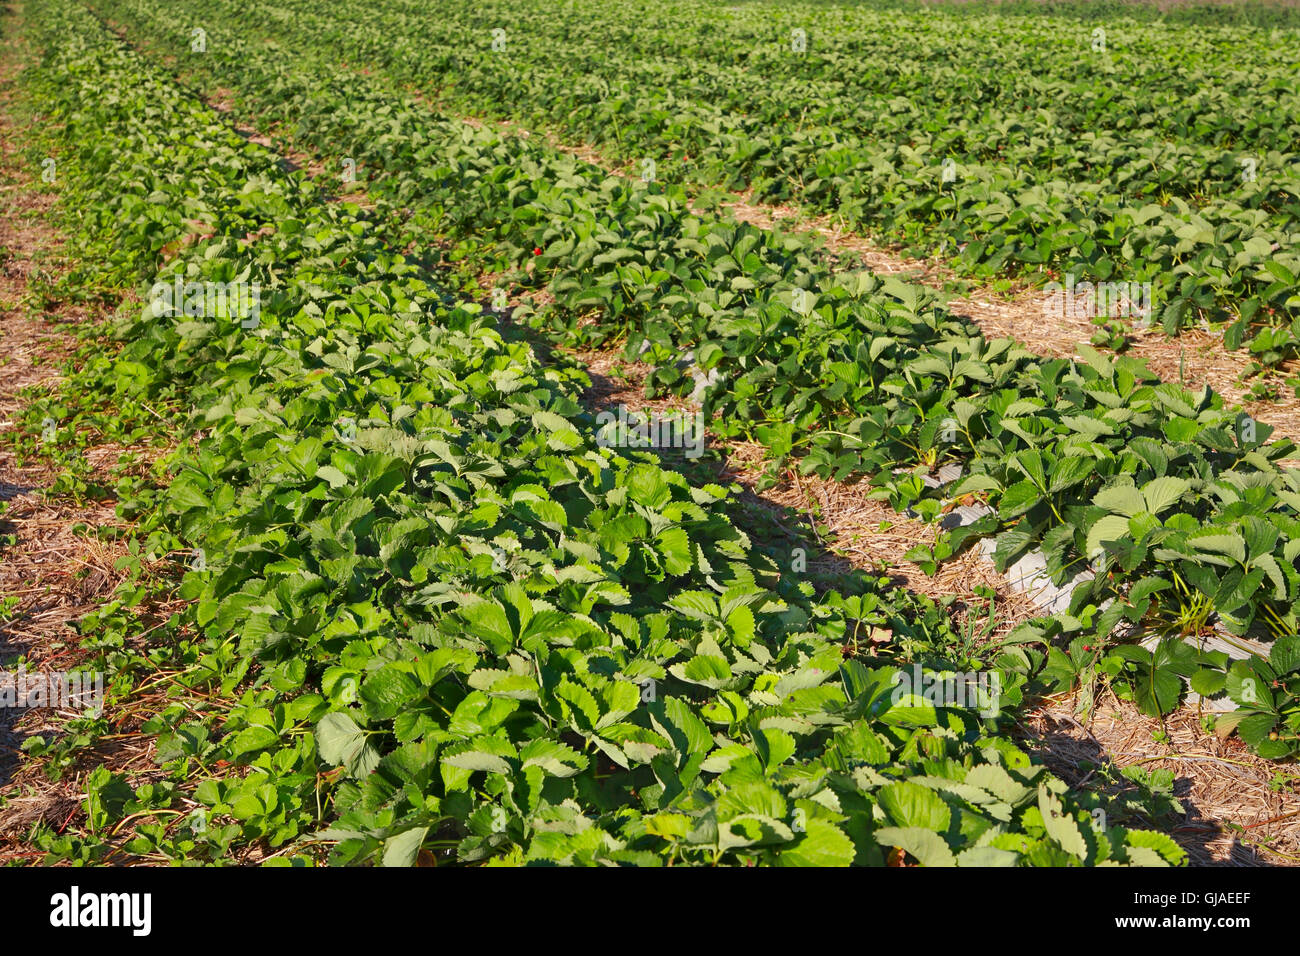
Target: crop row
x,y
420,567
1059,98
1212,224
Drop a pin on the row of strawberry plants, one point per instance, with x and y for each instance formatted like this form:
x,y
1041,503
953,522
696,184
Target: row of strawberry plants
x,y
1102,204
419,566
968,81
1175,498
1263,14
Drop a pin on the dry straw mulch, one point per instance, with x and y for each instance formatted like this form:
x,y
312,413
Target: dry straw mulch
x,y
59,566
1242,810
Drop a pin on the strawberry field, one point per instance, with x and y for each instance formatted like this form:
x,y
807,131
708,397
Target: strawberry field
x,y
342,285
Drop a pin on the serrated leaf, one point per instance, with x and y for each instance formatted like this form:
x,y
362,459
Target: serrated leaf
x,y
1060,826
926,846
402,849
822,844
1161,493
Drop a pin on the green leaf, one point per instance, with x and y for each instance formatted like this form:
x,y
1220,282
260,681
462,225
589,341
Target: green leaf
x,y
402,849
925,846
1285,655
304,455
1168,852
331,474
1121,499
1069,472
1207,682
1161,493
699,605
692,734
822,844
1060,826
1018,499
341,742
253,738
706,669
555,758
488,621
1107,529
478,760
1255,728
983,856
1230,545
1031,464
912,805
1156,689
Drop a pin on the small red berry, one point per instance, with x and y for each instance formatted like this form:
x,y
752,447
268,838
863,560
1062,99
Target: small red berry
x,y
537,251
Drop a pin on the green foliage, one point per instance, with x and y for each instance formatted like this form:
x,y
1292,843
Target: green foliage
x,y
1094,461
432,612
1068,157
